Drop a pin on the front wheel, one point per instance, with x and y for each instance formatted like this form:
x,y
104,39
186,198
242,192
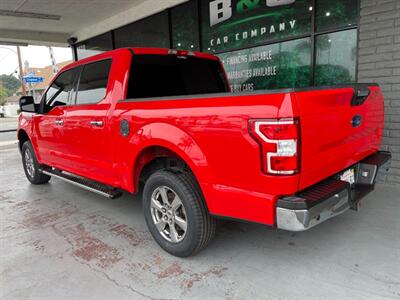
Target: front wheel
x,y
31,165
176,214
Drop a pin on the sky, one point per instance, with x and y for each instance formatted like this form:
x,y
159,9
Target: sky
x,y
37,56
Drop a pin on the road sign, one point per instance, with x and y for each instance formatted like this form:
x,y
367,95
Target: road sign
x,y
33,79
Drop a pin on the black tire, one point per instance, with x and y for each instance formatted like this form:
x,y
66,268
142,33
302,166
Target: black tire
x,y
200,225
33,173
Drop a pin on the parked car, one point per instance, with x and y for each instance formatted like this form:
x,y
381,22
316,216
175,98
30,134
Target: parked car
x,y
2,112
163,123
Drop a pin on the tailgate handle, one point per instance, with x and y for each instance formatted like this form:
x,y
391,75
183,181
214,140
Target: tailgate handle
x,y
361,94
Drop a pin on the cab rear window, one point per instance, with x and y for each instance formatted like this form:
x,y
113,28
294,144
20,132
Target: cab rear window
x,y
171,75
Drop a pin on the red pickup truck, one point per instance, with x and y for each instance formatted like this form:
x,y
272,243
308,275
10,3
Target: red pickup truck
x,y
164,123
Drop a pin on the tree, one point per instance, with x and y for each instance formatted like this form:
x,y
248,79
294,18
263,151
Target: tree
x,y
10,84
3,95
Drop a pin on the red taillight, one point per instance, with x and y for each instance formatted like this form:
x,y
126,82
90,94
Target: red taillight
x,y
279,131
278,139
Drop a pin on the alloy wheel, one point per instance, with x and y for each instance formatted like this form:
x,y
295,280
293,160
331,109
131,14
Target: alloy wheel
x,y
168,214
29,164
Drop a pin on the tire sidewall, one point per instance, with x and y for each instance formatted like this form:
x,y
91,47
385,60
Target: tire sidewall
x,y
187,196
27,146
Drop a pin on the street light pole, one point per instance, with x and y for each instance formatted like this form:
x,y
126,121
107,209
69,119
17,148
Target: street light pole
x,y
21,72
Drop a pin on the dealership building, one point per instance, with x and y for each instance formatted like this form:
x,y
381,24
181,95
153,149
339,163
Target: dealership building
x,y
264,44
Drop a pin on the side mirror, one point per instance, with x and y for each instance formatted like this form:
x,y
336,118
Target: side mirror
x,y
27,104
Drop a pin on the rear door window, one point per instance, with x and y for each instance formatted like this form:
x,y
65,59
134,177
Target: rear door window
x,y
93,82
171,75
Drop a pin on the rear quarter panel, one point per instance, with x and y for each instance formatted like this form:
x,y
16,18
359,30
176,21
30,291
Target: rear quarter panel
x,y
211,135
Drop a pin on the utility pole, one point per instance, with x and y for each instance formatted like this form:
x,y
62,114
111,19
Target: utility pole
x,y
30,88
53,61
21,72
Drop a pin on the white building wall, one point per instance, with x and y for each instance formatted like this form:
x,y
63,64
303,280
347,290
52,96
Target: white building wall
x,y
11,110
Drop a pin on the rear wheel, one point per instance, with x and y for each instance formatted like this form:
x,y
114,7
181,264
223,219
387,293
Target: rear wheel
x,y
175,213
31,165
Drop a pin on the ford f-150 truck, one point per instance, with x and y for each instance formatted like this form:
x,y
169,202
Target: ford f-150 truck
x,y
164,123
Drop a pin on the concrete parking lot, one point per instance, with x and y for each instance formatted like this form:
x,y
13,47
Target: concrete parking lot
x,y
60,242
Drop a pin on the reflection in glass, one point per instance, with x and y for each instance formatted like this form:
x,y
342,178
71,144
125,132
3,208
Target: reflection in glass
x,y
336,57
281,65
93,82
149,32
185,27
95,45
335,14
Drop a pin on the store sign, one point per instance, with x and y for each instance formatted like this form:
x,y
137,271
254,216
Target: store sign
x,y
233,24
221,10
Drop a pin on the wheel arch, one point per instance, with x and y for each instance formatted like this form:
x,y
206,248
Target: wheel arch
x,y
155,157
160,140
22,138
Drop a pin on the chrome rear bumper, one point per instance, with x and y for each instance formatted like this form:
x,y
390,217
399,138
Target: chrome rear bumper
x,y
330,197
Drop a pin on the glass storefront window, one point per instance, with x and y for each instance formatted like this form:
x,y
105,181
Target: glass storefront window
x,y
150,32
336,55
238,30
281,65
229,25
185,26
95,45
335,14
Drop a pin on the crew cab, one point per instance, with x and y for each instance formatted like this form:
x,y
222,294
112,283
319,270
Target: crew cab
x,y
164,123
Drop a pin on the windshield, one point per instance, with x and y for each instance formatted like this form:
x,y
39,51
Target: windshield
x,y
170,75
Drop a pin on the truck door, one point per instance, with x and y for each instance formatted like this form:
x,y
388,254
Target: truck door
x,y
49,124
85,129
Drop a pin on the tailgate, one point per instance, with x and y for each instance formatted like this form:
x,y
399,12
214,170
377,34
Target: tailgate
x,y
339,127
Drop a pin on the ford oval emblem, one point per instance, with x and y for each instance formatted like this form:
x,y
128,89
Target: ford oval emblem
x,y
356,121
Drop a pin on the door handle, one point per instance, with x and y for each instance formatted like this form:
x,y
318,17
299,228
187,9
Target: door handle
x,y
361,94
59,122
96,123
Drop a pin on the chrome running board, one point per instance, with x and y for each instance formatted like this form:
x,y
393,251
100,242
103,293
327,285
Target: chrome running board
x,y
84,183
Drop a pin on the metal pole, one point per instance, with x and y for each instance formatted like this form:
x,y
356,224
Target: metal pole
x,y
21,72
53,61
33,92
